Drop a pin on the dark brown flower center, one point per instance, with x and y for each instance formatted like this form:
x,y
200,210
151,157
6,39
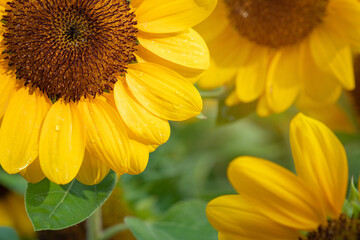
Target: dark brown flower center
x,y
344,228
70,48
276,23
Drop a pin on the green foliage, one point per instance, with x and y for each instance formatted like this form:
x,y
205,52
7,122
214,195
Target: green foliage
x,y
13,182
185,220
7,233
51,206
352,204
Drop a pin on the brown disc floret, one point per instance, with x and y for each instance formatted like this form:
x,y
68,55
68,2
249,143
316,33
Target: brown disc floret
x,y
70,49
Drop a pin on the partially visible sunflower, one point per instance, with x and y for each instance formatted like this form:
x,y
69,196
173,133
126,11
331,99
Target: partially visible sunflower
x,y
276,51
274,203
88,86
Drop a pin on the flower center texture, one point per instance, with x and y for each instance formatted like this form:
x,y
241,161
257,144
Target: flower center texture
x,y
70,48
276,23
340,229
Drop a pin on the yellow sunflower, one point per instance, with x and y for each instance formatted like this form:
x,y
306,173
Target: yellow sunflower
x,y
277,51
274,203
89,85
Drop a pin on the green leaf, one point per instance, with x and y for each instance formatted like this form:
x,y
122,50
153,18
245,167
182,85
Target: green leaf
x,y
51,206
13,182
352,208
185,220
7,233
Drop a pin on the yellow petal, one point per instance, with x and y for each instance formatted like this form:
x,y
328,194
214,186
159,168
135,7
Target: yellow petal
x,y
136,3
288,200
62,142
250,79
33,172
163,92
236,218
7,85
283,80
319,84
19,133
106,136
263,108
161,16
344,14
342,67
216,76
218,18
332,115
139,157
320,161
140,122
229,49
144,55
186,49
232,99
324,44
92,170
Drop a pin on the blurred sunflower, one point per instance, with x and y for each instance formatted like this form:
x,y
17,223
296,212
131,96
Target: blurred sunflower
x,y
88,86
274,203
276,51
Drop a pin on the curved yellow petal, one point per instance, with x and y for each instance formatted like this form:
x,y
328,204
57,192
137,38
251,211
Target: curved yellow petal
x,y
186,49
283,82
344,14
232,99
251,76
33,172
216,76
229,49
162,16
163,92
342,68
218,18
92,170
140,122
324,44
62,142
237,218
263,108
288,200
320,160
19,133
318,83
136,3
106,136
139,157
7,87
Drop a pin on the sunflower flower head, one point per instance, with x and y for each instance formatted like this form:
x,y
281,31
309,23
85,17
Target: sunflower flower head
x,y
274,203
89,86
282,52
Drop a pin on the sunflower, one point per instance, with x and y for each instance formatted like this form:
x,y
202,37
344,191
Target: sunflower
x,y
277,51
274,203
89,85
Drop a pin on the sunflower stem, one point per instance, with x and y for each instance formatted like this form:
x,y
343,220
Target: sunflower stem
x,y
111,231
94,226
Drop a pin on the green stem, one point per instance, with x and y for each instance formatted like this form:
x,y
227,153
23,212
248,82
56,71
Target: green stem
x,y
111,231
94,226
